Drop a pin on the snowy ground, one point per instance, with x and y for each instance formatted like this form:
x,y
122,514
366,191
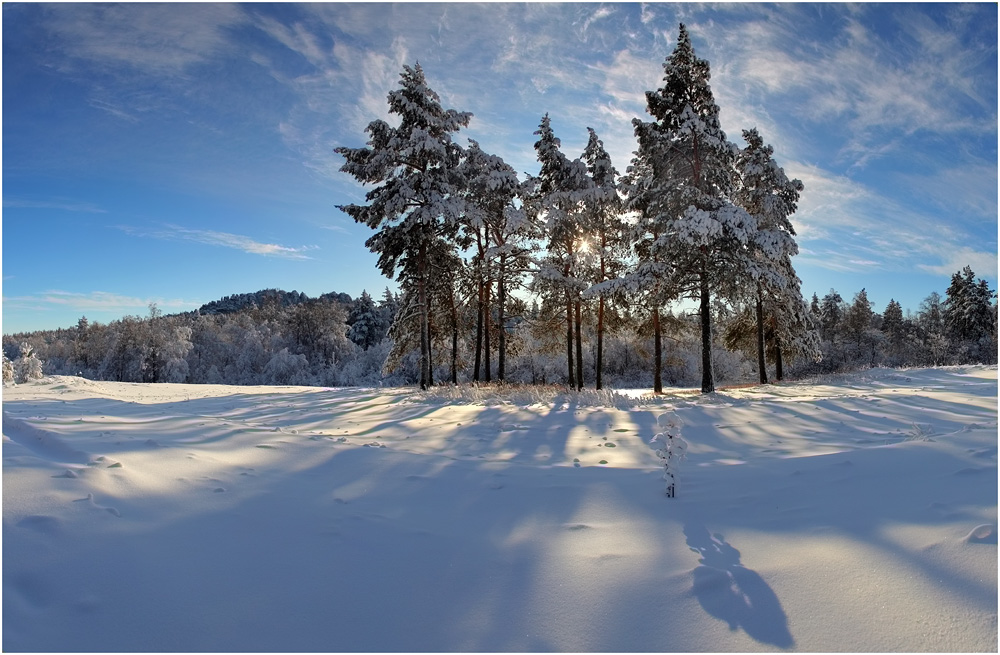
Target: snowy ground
x,y
853,514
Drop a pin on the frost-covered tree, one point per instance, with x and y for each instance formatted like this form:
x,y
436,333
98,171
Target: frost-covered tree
x,y
8,370
831,312
894,329
606,234
28,366
555,201
686,164
502,235
415,166
969,316
367,322
771,198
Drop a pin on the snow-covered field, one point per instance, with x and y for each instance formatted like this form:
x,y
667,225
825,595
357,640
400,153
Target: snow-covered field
x,y
847,514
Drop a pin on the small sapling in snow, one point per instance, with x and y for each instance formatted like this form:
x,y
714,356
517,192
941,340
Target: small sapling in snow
x,y
671,449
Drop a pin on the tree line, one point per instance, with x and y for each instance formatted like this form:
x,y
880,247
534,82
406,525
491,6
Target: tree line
x,y
333,340
606,260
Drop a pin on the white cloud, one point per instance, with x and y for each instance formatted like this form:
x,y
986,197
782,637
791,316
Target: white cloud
x,y
64,205
848,226
160,39
94,301
983,263
222,239
867,83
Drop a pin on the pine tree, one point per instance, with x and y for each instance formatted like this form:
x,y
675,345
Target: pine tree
x,y
367,322
416,169
686,164
554,200
969,316
892,322
830,315
502,233
771,198
27,367
606,233
8,370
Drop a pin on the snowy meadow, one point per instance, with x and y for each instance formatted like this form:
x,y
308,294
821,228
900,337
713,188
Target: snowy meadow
x,y
850,513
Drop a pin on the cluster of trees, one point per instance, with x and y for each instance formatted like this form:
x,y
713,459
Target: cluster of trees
x,y
271,337
959,329
694,217
576,275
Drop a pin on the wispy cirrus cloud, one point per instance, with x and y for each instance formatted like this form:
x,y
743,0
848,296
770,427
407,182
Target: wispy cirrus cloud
x,y
60,204
101,301
156,39
983,263
221,239
878,87
846,226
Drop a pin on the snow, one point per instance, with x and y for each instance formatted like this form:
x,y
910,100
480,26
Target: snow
x,y
855,513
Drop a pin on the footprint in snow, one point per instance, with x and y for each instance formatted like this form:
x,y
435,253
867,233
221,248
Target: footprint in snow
x,y
68,473
90,501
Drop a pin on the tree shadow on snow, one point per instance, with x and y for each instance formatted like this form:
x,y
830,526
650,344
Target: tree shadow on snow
x,y
733,593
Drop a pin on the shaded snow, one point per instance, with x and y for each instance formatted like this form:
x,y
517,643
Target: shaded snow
x,y
848,514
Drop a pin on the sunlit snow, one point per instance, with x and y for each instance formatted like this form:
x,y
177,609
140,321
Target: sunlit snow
x,y
855,513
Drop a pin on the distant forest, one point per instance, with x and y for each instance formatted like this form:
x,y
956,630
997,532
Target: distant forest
x,y
275,337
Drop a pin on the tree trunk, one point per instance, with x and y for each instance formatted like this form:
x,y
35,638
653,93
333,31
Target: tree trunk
x,y
599,364
479,331
761,363
579,346
422,301
430,344
707,381
487,328
454,339
501,318
778,371
657,353
570,378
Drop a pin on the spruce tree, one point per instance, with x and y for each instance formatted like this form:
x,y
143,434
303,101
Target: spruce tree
x,y
416,200
500,228
606,232
771,198
687,167
554,200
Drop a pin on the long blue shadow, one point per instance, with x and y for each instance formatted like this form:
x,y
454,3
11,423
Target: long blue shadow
x,y
733,593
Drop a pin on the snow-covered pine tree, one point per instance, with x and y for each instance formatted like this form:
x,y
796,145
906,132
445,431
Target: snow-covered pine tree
x,y
417,198
606,233
831,315
8,370
671,449
689,163
367,323
969,316
502,233
27,367
554,200
650,282
894,329
771,198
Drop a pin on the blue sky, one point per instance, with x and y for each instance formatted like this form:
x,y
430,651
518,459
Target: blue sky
x,y
179,153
